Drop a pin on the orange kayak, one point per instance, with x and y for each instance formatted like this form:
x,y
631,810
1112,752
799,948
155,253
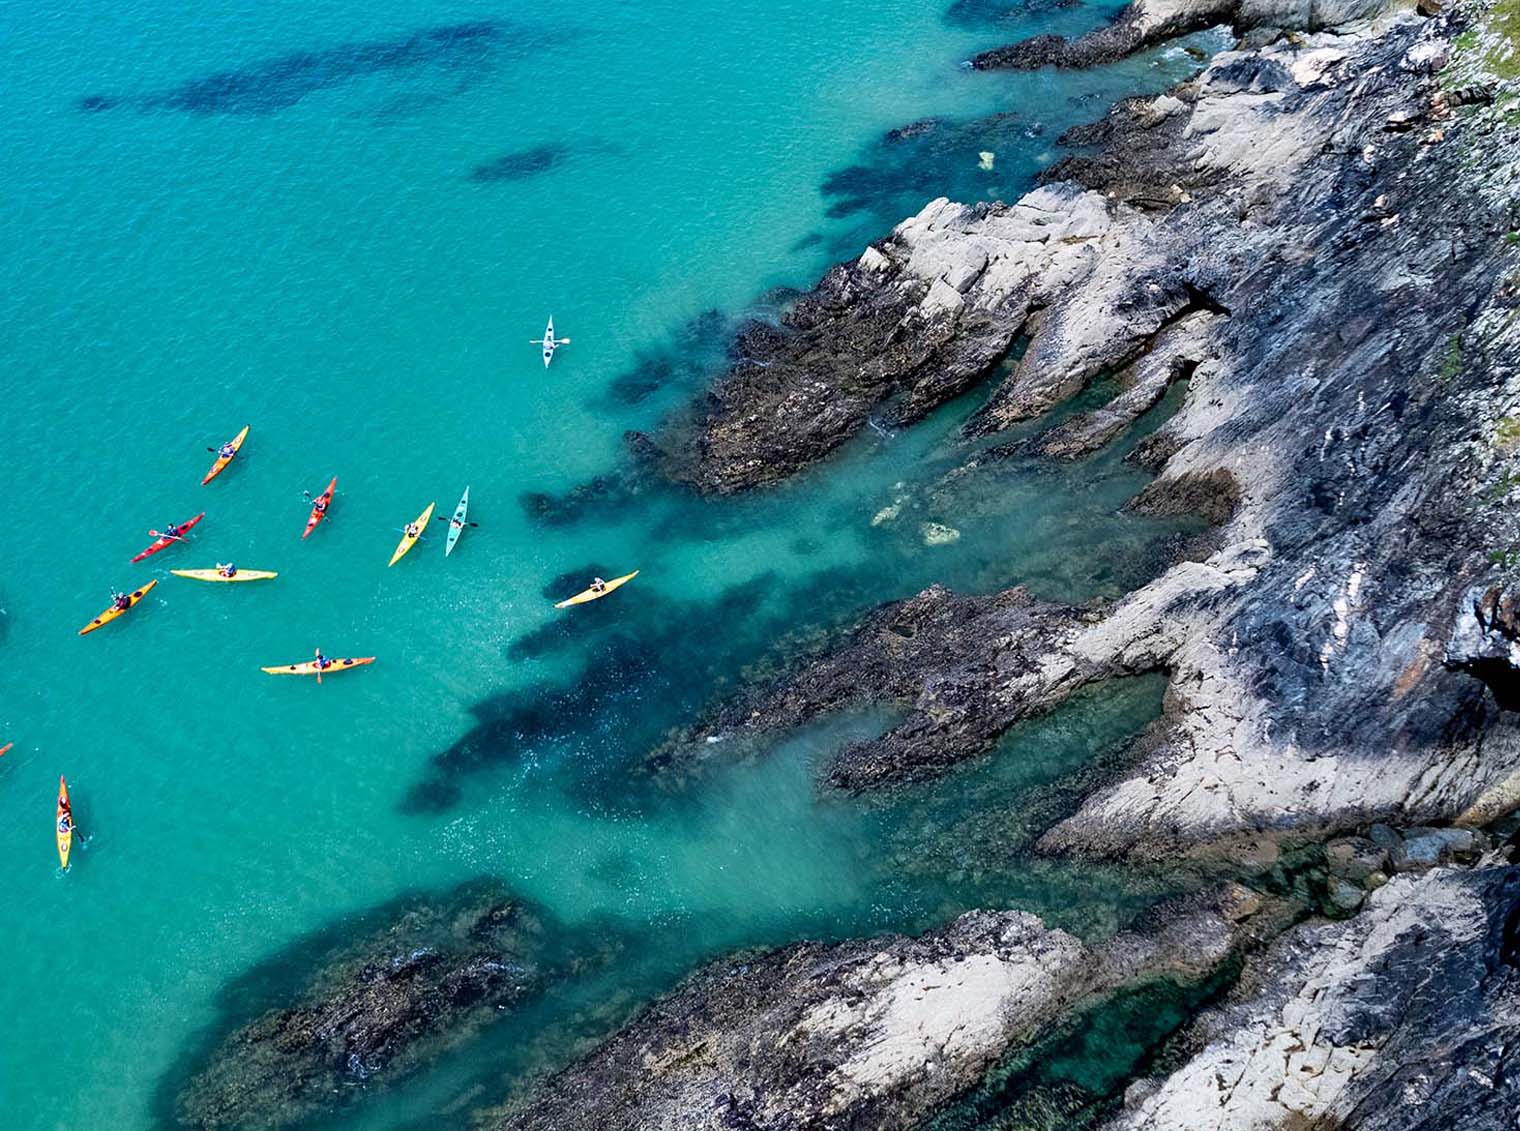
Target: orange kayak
x,y
222,461
310,666
319,506
63,823
6,748
113,612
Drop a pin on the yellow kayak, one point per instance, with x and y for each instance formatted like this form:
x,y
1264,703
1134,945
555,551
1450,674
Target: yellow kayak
x,y
217,575
222,461
113,612
310,666
64,820
409,540
596,594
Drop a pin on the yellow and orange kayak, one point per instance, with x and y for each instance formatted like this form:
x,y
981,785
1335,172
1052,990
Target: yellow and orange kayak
x,y
404,547
217,575
222,461
63,829
310,667
596,594
113,612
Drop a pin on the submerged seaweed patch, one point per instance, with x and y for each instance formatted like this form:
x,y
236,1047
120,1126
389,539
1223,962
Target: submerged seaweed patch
x,y
279,83
520,164
997,13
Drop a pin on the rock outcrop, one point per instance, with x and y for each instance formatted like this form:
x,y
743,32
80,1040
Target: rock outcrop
x,y
872,1033
1404,1017
1144,23
1313,231
376,1008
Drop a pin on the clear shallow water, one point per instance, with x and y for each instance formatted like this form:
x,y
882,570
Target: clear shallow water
x,y
306,245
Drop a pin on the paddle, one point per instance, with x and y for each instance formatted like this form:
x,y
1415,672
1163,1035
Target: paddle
x,y
446,518
171,537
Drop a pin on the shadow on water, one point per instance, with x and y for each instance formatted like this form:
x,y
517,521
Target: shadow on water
x,y
463,53
520,164
1001,13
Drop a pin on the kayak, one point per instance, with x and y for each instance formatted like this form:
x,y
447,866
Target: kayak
x,y
593,595
65,839
161,542
549,342
222,461
310,666
216,574
404,546
6,749
456,524
113,612
323,499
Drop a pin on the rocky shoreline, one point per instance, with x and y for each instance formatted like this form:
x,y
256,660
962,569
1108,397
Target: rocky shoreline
x,y
1316,237
1315,241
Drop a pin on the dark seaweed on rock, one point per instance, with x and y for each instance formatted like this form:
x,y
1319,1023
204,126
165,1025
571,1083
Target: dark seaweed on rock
x,y
520,164
267,87
922,160
363,1003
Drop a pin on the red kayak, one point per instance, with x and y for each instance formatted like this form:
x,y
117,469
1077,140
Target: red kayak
x,y
319,506
160,542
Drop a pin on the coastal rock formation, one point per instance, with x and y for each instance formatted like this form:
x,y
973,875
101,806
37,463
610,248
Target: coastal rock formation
x,y
870,1033
1327,255
376,1008
1404,1017
1146,22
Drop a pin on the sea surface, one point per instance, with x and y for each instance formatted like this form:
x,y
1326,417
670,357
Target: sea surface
x,y
341,223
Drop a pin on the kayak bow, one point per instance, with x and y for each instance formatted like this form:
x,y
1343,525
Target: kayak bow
x,y
217,575
322,500
162,541
594,595
113,612
222,461
404,547
310,666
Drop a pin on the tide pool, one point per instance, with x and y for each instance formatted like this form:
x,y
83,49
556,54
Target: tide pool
x,y
342,224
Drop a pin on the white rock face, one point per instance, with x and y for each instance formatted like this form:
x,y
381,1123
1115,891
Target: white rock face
x,y
1305,1048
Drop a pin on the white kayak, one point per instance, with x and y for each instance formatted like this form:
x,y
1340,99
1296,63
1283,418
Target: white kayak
x,y
456,524
549,342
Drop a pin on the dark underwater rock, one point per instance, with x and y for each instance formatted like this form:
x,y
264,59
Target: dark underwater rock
x,y
372,1008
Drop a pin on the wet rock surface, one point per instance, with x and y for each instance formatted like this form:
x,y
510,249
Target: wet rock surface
x,y
377,1005
1405,1016
870,1033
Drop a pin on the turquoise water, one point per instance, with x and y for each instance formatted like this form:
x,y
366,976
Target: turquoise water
x,y
348,244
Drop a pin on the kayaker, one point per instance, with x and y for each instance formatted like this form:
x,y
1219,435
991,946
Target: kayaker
x,y
170,531
322,662
411,530
66,819
226,451
226,569
120,601
598,585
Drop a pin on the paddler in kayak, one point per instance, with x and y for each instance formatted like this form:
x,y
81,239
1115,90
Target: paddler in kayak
x,y
322,662
120,601
598,585
65,818
170,531
226,569
226,451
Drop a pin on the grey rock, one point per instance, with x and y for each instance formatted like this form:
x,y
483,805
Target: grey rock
x,y
1402,1017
